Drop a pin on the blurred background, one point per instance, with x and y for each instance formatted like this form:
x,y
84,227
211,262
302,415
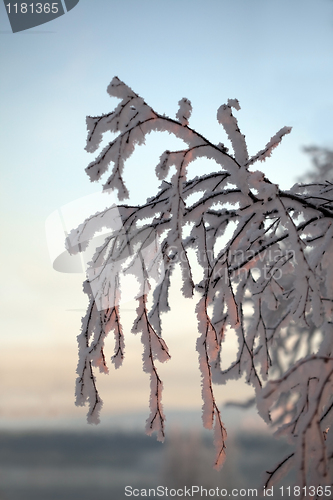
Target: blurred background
x,y
275,57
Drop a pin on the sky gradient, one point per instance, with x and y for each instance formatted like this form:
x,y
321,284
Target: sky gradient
x,y
274,56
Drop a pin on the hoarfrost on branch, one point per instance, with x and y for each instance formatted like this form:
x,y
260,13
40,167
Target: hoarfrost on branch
x,y
271,282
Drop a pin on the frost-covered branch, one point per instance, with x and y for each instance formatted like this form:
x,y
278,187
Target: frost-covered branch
x,y
265,262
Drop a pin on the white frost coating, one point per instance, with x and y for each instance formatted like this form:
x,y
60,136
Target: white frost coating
x,y
184,111
267,151
154,347
117,88
161,303
162,168
220,436
234,103
115,325
267,190
206,387
230,125
265,278
312,382
79,238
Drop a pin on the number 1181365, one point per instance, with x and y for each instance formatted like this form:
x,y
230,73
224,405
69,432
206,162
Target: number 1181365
x,y
296,491
32,8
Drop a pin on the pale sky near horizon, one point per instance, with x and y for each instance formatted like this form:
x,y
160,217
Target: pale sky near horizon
x,y
274,56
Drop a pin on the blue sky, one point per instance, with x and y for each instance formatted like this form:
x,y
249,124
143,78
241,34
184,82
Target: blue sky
x,y
274,56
